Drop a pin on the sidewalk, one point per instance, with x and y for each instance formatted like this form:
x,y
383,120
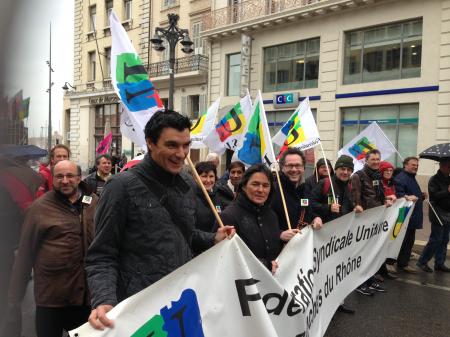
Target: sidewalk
x,y
422,235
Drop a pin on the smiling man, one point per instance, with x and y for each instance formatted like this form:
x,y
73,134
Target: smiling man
x,y
145,223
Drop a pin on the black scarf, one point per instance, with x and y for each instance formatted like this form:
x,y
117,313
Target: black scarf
x,y
375,175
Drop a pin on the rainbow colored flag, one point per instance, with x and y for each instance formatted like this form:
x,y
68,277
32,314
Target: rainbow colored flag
x,y
204,125
300,130
24,110
228,133
257,147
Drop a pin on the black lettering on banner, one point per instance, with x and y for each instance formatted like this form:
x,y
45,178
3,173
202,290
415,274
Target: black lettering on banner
x,y
294,134
280,300
244,298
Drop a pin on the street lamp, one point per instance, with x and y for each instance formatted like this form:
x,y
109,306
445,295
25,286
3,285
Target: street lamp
x,y
66,86
172,35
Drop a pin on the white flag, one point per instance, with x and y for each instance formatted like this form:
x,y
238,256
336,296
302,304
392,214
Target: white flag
x,y
370,138
132,84
300,130
228,132
204,125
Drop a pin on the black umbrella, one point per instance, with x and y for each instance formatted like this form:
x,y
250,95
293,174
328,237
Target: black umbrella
x,y
29,151
437,152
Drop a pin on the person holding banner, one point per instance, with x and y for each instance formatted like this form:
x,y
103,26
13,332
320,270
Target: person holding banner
x,y
145,221
292,165
407,186
255,222
320,172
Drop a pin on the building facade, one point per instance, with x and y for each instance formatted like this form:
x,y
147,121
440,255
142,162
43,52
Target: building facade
x,y
90,104
357,60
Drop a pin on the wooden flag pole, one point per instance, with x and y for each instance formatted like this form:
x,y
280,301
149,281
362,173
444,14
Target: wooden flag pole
x,y
282,198
328,171
205,192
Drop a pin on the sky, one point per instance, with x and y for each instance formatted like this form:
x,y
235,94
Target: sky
x,y
27,56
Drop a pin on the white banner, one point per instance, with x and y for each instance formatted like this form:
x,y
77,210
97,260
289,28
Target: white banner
x,y
227,292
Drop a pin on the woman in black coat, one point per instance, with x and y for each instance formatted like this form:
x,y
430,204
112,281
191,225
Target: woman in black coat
x,y
255,222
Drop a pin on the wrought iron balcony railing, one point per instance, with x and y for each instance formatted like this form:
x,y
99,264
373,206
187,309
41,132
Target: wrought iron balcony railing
x,y
251,9
182,65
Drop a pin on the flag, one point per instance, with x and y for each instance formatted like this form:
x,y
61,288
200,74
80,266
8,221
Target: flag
x,y
16,105
300,130
257,146
23,112
105,144
370,138
132,84
229,131
204,125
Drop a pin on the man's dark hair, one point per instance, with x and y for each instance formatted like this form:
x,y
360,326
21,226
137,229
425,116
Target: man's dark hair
x,y
292,150
205,167
59,146
236,164
408,159
106,156
257,168
373,151
165,119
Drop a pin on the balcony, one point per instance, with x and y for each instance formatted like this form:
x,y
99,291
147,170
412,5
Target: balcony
x,y
193,63
89,88
254,14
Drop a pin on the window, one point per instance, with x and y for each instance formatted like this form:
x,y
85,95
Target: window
x,y
198,42
127,10
169,3
398,122
92,18
194,102
92,66
107,62
292,66
234,74
383,53
109,8
108,113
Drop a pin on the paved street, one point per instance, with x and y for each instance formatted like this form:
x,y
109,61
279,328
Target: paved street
x,y
415,305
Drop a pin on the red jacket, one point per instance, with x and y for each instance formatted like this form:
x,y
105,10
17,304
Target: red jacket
x,y
47,185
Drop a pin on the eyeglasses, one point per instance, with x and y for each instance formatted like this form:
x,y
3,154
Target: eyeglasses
x,y
69,176
294,166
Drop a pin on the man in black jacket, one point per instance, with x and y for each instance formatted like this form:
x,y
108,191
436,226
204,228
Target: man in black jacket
x,y
145,220
96,180
292,165
439,191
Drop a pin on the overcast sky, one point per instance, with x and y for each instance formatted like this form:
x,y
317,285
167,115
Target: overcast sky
x,y
28,55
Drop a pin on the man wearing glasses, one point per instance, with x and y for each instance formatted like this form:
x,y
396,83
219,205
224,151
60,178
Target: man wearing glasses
x,y
292,165
56,233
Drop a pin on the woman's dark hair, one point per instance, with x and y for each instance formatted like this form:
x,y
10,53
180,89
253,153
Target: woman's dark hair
x,y
165,119
257,168
205,167
236,164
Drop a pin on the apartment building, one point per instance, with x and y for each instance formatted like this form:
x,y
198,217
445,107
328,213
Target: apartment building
x,y
357,60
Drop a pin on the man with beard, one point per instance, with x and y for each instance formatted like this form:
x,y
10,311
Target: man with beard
x,y
145,222
56,233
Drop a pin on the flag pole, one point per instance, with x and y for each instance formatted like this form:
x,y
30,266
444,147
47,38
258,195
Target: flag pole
x,y
283,200
205,192
328,172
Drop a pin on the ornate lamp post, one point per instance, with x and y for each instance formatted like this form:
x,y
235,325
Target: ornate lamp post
x,y
172,35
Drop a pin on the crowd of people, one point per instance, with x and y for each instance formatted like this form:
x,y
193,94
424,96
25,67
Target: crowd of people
x,y
92,243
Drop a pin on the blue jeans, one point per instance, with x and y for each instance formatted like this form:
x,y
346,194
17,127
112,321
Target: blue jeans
x,y
437,244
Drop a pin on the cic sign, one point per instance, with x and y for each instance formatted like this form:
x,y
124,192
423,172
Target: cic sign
x,y
286,100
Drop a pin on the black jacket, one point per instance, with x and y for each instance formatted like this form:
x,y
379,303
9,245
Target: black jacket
x,y
439,197
224,194
321,202
257,226
312,180
406,184
141,234
205,219
293,196
95,183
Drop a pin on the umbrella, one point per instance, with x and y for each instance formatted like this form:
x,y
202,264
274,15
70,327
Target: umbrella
x,y
29,151
132,162
437,152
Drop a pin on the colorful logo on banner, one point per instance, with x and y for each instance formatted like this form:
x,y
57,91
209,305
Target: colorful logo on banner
x,y
402,213
233,123
294,133
254,147
135,89
361,147
181,320
197,129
